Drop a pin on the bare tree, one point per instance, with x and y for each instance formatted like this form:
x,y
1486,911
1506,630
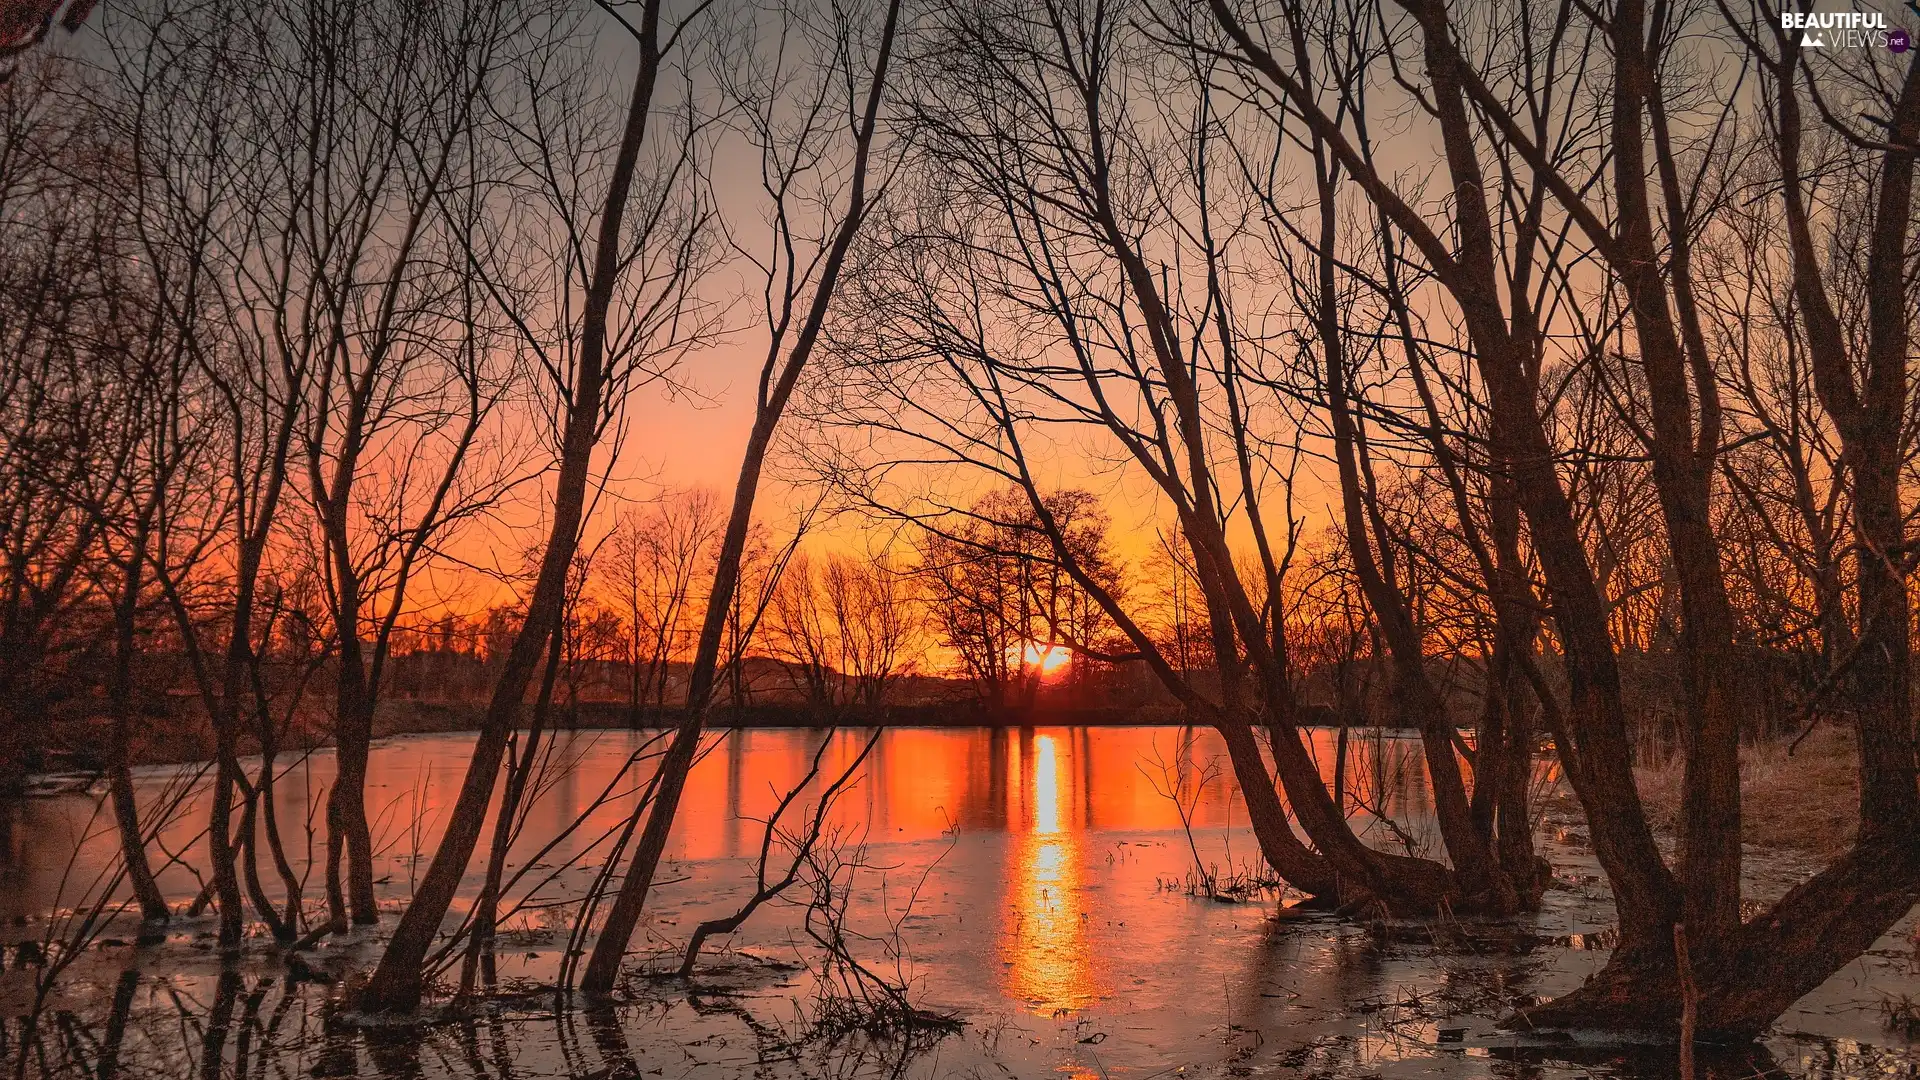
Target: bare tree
x,y
1005,602
649,570
206,127
1663,156
874,625
800,289
60,414
163,445
841,625
404,361
802,636
650,267
1070,270
91,482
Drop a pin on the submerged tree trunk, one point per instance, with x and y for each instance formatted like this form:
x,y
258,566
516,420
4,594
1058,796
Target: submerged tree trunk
x,y
479,959
126,814
284,926
1593,743
1291,859
1594,746
348,831
247,849
227,776
1418,702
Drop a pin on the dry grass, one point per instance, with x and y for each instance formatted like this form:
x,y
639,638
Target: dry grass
x,y
1901,1014
1806,802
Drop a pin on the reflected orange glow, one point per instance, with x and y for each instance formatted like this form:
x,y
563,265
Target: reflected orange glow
x,y
1041,815
1045,954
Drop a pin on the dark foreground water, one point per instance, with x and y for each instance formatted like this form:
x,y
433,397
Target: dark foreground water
x,y
1037,885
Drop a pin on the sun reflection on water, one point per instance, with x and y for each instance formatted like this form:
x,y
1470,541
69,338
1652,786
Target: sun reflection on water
x,y
1045,952
1046,786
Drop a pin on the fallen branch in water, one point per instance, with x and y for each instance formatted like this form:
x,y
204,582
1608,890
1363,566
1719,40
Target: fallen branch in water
x,y
802,846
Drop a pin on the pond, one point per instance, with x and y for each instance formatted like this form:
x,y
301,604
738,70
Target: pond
x,y
1040,885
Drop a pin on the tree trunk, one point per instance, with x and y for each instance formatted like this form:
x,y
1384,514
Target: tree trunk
x,y
479,958
1415,697
1283,851
347,826
270,822
1753,972
226,773
126,814
1489,746
348,830
1709,855
248,851
1516,628
603,966
1760,970
1401,884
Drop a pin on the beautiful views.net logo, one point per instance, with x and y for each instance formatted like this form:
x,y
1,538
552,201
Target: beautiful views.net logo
x,y
1847,30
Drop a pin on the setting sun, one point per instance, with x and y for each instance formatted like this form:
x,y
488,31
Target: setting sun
x,y
1047,659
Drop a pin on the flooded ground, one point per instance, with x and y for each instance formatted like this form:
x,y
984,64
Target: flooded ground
x,y
1037,885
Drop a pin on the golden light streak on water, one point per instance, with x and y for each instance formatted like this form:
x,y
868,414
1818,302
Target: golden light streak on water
x,y
1046,957
1046,786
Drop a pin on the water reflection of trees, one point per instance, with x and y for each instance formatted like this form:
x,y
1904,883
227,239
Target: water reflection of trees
x,y
238,1024
1351,1014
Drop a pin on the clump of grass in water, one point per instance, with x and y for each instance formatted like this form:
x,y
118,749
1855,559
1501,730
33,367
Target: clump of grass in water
x,y
1240,883
879,1017
1901,1014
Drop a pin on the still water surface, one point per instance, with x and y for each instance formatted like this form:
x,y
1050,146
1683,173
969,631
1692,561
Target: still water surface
x,y
1031,881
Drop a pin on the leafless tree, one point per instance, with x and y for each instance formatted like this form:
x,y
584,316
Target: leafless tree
x,y
842,625
406,363
649,570
802,637
1070,270
799,173
633,264
1003,601
874,623
1665,144
58,437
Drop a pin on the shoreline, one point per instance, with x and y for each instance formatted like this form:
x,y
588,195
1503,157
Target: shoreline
x,y
186,738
